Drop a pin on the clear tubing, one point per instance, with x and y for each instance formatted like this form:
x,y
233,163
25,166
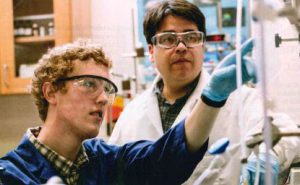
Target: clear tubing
x,y
263,86
267,128
239,86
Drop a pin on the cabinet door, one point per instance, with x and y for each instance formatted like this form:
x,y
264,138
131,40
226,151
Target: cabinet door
x,y
6,45
28,29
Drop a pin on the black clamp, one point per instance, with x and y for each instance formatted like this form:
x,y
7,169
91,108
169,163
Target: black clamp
x,y
279,40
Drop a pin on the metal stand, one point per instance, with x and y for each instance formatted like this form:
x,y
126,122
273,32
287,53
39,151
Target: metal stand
x,y
279,40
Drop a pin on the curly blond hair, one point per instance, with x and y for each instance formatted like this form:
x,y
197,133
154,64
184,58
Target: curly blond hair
x,y
58,63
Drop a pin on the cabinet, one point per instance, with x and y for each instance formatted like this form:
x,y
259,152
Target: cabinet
x,y
27,29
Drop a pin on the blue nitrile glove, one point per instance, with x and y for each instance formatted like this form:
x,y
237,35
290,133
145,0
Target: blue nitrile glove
x,y
223,79
251,169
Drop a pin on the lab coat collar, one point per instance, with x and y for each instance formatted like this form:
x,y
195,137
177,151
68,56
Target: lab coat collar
x,y
153,110
192,100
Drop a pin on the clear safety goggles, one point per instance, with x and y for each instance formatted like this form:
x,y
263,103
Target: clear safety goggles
x,y
93,85
169,39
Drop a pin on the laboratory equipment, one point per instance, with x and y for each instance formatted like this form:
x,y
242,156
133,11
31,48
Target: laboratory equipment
x,y
256,169
215,37
294,176
291,11
219,146
116,108
279,39
126,85
216,48
220,160
258,138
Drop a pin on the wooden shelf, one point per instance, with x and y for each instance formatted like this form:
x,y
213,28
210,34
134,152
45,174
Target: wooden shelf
x,y
21,40
35,17
15,51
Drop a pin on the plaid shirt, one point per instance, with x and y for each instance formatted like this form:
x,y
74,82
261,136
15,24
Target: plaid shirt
x,y
168,111
69,170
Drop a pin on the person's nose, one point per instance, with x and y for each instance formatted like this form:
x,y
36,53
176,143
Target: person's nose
x,y
102,98
181,46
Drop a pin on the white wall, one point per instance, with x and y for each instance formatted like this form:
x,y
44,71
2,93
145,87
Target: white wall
x,y
112,27
283,65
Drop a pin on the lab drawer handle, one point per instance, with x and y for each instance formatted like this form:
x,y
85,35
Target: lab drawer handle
x,y
5,75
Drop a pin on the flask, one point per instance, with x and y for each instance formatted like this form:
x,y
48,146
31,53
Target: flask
x,y
28,28
35,29
21,29
42,31
126,90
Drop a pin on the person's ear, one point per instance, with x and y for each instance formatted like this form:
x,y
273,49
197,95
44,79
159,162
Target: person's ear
x,y
150,49
49,92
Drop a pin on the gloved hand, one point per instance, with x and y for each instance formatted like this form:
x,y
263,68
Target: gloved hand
x,y
251,169
223,79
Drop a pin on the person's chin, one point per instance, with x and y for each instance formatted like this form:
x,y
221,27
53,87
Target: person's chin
x,y
182,66
93,130
183,76
92,133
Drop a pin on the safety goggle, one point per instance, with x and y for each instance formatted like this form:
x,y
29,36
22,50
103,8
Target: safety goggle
x,y
169,39
93,85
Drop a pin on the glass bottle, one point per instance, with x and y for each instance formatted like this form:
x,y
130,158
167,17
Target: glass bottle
x,y
50,28
35,29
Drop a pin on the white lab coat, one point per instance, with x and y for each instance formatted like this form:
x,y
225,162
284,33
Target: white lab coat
x,y
141,120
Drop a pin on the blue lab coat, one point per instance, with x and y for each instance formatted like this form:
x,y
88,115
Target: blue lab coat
x,y
165,161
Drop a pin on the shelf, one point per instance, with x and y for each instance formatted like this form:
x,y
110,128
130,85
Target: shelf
x,y
16,50
35,17
21,40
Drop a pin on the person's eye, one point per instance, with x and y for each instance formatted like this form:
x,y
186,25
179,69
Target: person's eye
x,y
193,38
167,39
88,83
108,89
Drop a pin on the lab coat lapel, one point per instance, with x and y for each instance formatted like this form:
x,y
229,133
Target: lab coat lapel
x,y
151,108
152,111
